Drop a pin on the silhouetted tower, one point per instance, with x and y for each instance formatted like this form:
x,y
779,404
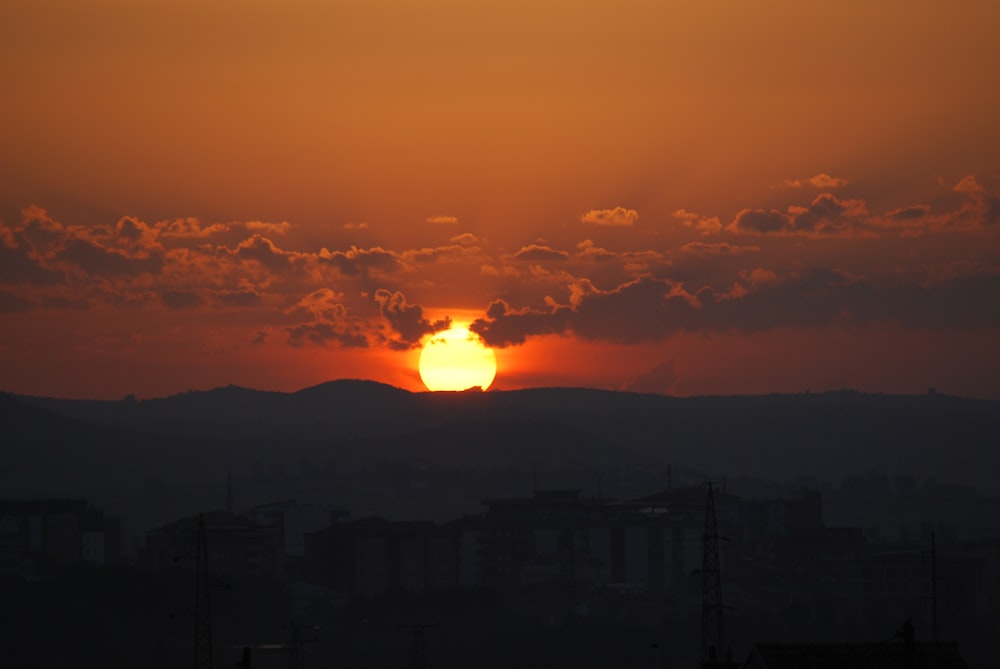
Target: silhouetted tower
x,y
712,636
202,603
229,491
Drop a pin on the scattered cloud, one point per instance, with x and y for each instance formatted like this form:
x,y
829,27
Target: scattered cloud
x,y
188,228
323,333
262,250
615,291
718,249
92,258
970,186
586,250
826,215
619,216
239,298
466,239
267,228
830,216
537,253
821,180
909,214
442,220
650,309
504,326
704,225
329,322
356,261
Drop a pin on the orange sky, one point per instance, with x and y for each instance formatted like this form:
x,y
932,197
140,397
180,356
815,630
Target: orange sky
x,y
685,197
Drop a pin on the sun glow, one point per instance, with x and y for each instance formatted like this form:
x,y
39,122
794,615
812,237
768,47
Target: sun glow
x,y
457,359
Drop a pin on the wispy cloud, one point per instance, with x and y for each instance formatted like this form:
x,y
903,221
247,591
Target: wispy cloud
x,y
821,180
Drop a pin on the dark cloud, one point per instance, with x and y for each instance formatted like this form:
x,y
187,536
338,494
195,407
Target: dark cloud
x,y
261,249
12,303
181,299
504,326
17,267
322,305
189,228
719,249
131,232
827,215
760,222
539,253
239,298
322,334
985,207
355,261
330,322
406,320
908,214
96,260
646,309
650,309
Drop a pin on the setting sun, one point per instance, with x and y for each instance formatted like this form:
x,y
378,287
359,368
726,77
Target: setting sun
x,y
457,359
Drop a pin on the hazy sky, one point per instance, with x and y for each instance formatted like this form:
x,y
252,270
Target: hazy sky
x,y
684,197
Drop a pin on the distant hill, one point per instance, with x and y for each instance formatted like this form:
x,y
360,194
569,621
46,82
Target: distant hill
x,y
777,436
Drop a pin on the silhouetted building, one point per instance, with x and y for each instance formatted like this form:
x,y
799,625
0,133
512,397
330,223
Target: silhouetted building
x,y
292,521
372,555
760,521
236,545
521,541
556,536
39,537
894,654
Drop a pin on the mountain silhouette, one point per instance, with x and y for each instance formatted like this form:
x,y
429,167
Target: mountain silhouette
x,y
783,436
